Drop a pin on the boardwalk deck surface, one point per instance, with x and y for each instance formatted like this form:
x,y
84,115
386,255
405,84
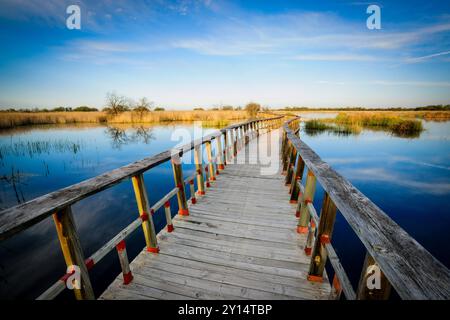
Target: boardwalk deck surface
x,y
239,242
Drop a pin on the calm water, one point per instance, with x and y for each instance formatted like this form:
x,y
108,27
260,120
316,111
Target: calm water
x,y
407,178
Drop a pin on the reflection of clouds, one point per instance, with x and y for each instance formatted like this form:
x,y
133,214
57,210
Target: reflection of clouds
x,y
390,159
380,174
421,163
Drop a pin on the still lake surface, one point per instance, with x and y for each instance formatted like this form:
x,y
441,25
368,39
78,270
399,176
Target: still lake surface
x,y
409,178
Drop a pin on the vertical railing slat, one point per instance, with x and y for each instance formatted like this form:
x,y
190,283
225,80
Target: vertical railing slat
x,y
145,213
72,252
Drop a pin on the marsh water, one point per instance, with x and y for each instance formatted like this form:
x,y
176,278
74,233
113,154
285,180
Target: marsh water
x,y
409,178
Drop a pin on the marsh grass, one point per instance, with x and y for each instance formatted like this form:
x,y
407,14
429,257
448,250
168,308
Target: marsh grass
x,y
352,123
314,126
208,117
393,123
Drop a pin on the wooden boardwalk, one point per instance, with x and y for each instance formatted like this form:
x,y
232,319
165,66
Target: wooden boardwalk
x,y
238,242
242,238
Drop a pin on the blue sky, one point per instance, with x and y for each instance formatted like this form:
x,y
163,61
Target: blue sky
x,y
187,53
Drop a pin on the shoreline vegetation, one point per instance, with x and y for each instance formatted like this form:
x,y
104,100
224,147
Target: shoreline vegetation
x,y
399,121
353,123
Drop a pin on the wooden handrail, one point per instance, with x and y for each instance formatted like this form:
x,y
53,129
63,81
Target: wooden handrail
x,y
408,266
23,216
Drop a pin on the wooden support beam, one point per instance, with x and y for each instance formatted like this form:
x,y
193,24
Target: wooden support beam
x,y
234,142
220,155
290,167
198,159
336,289
307,197
296,180
168,214
179,183
373,284
124,263
210,161
285,157
72,252
324,233
145,213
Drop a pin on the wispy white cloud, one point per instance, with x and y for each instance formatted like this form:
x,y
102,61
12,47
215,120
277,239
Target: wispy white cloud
x,y
427,57
335,57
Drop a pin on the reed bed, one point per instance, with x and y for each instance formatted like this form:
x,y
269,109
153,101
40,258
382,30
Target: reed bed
x,y
209,118
394,123
353,122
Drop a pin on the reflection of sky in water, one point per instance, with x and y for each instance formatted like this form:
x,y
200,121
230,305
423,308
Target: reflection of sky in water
x,y
407,178
99,217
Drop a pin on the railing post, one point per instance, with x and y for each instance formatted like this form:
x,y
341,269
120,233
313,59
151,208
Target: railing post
x,y
198,159
210,161
72,252
336,289
234,142
296,179
145,213
168,214
230,145
124,263
285,157
225,147
290,166
283,142
324,232
307,197
373,284
179,183
220,155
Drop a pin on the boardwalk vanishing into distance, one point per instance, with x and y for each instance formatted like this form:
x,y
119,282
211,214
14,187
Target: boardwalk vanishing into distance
x,y
246,232
239,241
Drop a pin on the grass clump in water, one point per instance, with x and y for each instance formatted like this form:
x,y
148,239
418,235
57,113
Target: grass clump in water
x,y
395,124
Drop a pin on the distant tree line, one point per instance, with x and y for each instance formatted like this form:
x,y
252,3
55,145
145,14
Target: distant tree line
x,y
439,107
57,109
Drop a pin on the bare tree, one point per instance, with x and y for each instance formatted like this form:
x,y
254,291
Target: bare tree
x,y
252,109
142,107
115,103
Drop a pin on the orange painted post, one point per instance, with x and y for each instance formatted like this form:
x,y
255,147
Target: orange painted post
x,y
324,233
220,154
336,289
168,214
192,190
307,197
72,252
145,213
296,180
179,183
290,167
225,147
310,239
286,155
234,141
198,159
210,161
124,263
